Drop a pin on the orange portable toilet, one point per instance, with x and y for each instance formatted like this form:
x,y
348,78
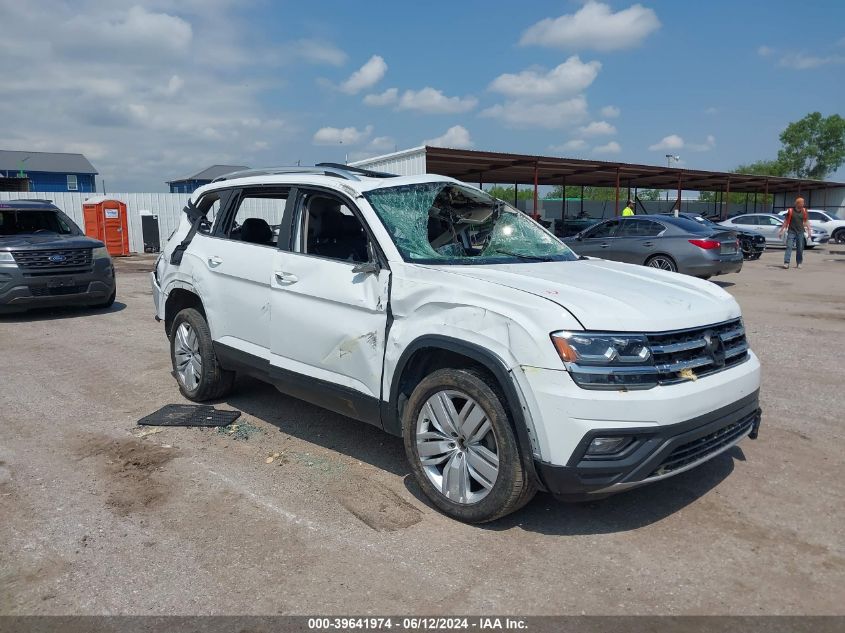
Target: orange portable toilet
x,y
105,220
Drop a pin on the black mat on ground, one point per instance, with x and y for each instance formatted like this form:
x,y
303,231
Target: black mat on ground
x,y
189,415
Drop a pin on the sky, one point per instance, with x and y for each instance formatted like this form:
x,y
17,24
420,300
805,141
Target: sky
x,y
153,91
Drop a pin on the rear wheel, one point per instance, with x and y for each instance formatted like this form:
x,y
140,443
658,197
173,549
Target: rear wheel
x,y
195,365
663,262
462,447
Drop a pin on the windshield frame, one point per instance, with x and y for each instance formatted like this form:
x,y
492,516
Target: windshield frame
x,y
499,206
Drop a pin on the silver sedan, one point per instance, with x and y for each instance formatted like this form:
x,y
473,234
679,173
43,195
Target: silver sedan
x,y
675,244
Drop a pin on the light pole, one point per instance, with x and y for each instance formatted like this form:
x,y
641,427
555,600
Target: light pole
x,y
669,159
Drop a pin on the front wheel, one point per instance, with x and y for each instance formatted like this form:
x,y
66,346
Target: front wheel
x,y
195,365
663,262
839,236
462,447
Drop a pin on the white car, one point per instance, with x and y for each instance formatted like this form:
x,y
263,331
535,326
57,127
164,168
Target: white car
x,y
425,307
823,220
769,225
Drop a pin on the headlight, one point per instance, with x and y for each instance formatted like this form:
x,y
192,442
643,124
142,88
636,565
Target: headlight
x,y
605,360
6,258
100,252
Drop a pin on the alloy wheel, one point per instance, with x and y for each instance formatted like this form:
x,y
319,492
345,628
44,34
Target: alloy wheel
x,y
457,447
187,356
663,263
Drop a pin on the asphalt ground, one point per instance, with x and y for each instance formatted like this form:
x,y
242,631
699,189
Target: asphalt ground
x,y
100,516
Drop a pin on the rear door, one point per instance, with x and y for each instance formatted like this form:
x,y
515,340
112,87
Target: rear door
x,y
637,239
329,297
236,264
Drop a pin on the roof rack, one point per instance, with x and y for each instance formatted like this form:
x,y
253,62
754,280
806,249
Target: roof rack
x,y
369,173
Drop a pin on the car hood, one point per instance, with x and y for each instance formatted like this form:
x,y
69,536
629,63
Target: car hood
x,y
605,295
47,241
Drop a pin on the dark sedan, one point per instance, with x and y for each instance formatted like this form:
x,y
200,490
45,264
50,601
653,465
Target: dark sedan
x,y
666,242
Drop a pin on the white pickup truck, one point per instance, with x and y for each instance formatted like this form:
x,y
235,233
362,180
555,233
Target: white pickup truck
x,y
426,307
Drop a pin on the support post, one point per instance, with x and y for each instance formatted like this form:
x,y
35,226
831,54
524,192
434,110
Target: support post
x,y
562,209
616,210
766,194
755,202
678,203
581,212
515,195
727,204
481,180
536,176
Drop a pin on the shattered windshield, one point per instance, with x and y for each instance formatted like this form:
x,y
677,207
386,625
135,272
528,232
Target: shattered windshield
x,y
449,223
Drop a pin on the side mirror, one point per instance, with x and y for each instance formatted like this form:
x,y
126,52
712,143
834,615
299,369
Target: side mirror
x,y
369,266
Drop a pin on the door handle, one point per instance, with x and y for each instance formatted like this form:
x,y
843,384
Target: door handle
x,y
604,245
648,243
285,278
214,261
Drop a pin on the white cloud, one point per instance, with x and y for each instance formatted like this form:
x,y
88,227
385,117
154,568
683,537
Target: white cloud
x,y
610,148
673,141
711,110
575,145
366,76
317,52
765,51
456,137
341,136
706,146
803,61
115,76
431,101
567,79
525,114
382,144
597,128
388,97
609,112
594,26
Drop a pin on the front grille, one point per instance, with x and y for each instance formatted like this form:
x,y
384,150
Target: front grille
x,y
686,354
702,447
58,258
57,291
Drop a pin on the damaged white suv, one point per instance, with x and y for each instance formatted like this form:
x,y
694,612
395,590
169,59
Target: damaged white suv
x,y
427,308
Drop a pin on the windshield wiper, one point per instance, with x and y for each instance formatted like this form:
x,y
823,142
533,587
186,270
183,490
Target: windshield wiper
x,y
539,258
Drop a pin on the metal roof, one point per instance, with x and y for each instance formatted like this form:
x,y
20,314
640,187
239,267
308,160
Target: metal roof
x,y
495,167
55,162
210,173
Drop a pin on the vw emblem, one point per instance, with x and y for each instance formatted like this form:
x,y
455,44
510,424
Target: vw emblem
x,y
715,348
57,259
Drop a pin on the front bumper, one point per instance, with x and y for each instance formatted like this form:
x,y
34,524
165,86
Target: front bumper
x,y
656,453
23,290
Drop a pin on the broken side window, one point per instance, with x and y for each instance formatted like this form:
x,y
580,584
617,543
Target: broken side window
x,y
449,223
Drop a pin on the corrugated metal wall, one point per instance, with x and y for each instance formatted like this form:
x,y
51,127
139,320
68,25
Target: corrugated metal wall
x,y
167,206
406,163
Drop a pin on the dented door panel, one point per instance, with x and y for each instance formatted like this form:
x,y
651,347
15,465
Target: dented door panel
x,y
327,321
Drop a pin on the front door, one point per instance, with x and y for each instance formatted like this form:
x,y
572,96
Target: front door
x,y
115,234
329,308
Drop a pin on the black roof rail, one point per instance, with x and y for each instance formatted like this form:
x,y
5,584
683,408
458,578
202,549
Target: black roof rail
x,y
369,173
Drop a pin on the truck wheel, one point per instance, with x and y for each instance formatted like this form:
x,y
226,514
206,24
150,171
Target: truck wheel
x,y
195,365
462,447
108,302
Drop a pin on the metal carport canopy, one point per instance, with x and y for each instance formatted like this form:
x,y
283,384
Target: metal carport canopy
x,y
495,167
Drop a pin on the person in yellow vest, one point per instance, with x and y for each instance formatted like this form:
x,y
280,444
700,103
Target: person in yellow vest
x,y
629,209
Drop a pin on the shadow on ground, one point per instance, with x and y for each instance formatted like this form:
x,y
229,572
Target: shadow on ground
x,y
65,312
545,515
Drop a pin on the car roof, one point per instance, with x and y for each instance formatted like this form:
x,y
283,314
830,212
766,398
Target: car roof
x,y
28,205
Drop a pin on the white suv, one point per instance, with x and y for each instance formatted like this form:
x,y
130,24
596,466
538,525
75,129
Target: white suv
x,y
425,307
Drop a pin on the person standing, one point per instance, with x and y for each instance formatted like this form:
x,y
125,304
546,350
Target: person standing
x,y
796,224
629,209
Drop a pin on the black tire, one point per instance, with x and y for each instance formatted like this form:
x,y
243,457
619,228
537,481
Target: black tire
x,y
671,265
214,381
108,302
514,486
838,236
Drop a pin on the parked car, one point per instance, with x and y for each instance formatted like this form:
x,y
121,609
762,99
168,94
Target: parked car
x,y
823,220
46,261
572,226
662,241
425,307
769,225
751,243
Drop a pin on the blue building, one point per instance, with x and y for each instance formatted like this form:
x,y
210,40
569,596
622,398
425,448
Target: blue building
x,y
190,183
49,171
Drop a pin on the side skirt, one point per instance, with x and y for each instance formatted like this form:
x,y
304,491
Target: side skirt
x,y
327,395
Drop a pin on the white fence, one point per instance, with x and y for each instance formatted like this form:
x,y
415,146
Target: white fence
x,y
167,206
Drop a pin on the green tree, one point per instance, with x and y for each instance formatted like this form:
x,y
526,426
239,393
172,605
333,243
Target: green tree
x,y
813,147
506,193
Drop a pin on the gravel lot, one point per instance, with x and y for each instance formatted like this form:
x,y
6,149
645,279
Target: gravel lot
x,y
95,519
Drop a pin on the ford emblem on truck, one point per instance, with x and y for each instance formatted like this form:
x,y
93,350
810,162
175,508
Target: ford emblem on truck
x,y
57,259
